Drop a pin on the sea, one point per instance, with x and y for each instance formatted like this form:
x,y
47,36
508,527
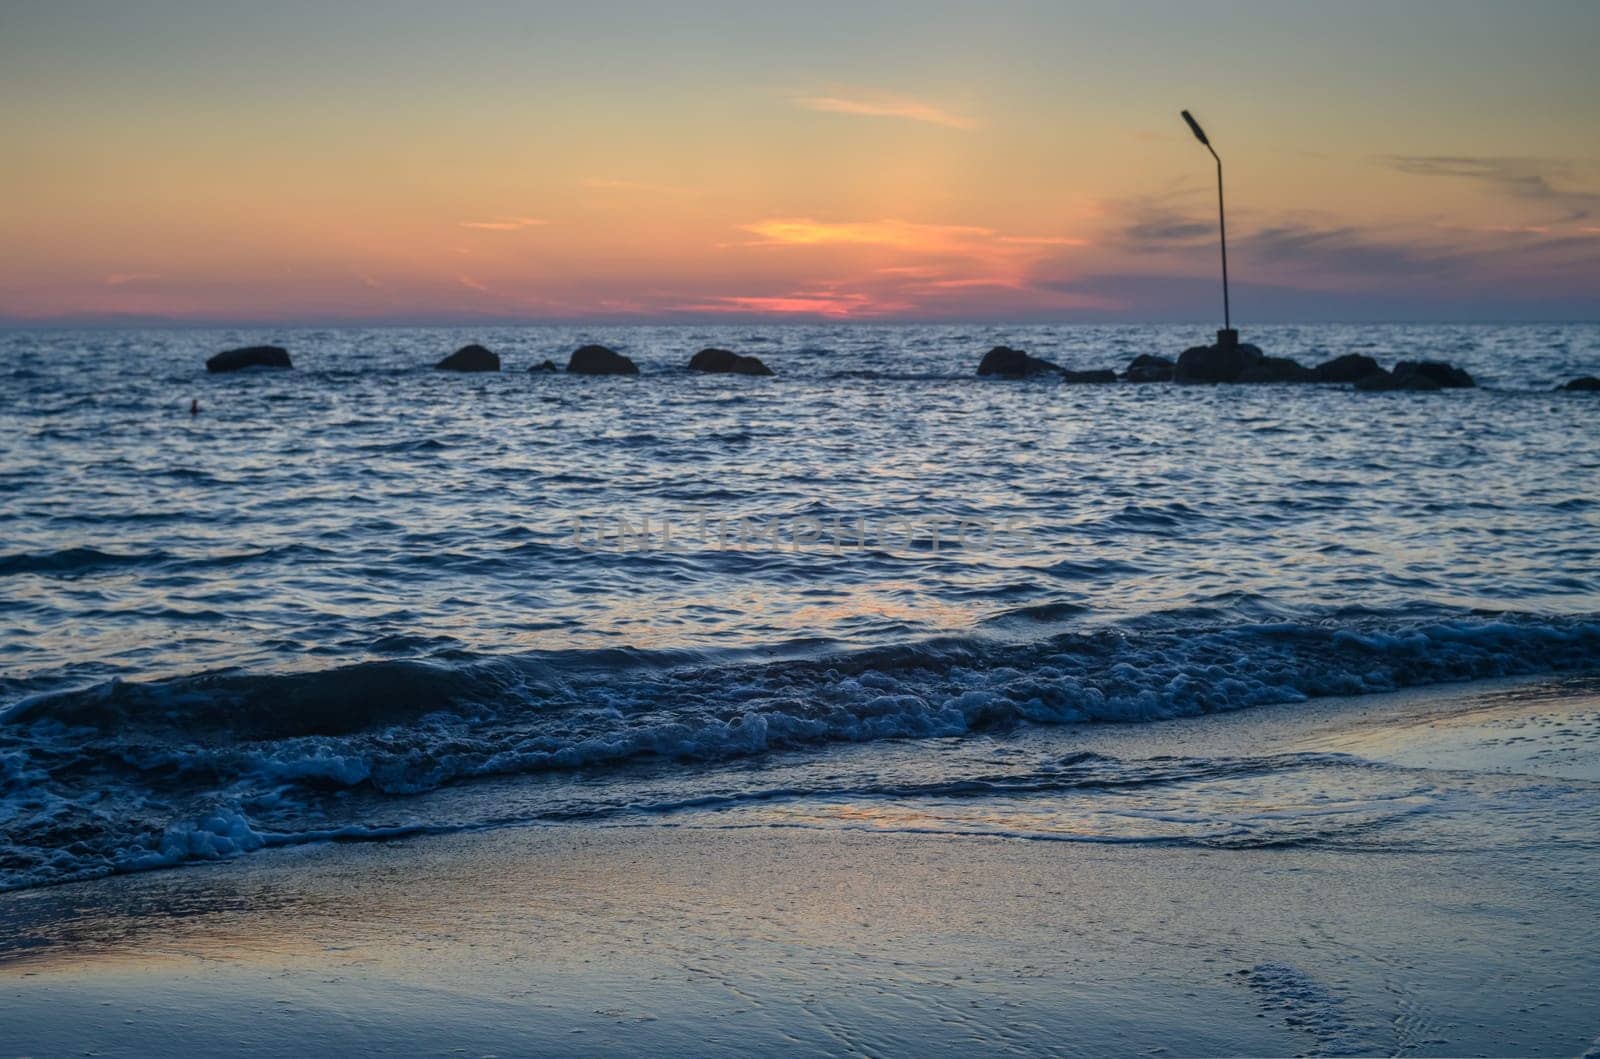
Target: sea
x,y
364,599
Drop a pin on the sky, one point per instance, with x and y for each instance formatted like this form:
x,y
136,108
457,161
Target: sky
x,y
401,162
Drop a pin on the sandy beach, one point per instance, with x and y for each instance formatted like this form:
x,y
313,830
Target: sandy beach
x,y
877,928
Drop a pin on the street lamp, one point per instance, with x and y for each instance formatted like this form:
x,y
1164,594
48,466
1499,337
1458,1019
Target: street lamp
x,y
1227,338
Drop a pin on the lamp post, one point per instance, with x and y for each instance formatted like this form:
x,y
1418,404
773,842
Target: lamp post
x,y
1227,338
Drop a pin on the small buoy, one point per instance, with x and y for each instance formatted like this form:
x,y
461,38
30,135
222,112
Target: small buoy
x,y
194,407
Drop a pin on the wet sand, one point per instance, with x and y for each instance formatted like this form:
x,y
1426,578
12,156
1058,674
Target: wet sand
x,y
688,936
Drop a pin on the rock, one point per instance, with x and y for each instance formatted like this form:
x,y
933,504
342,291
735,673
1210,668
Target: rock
x,y
1277,369
1216,363
722,361
1352,367
1384,380
1012,363
1585,383
470,358
1098,375
598,360
545,365
1147,367
250,357
1445,375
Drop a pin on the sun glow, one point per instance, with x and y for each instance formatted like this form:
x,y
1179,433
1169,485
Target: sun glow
x,y
825,175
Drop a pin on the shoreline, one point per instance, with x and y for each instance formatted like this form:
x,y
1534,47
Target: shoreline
x,y
684,936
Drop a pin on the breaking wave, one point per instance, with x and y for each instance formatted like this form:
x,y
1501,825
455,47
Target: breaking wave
x,y
132,775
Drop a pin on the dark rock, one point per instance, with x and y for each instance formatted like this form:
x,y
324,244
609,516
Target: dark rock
x,y
1216,363
1277,369
1012,363
1384,380
1445,375
1352,367
250,357
470,358
1147,367
1098,375
546,365
722,360
598,360
1586,383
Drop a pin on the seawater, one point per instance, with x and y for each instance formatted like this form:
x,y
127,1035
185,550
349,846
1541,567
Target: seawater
x,y
360,597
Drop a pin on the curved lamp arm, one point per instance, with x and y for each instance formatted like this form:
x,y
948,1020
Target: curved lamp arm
x,y
1222,217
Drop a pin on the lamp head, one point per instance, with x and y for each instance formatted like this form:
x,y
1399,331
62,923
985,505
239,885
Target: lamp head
x,y
1194,127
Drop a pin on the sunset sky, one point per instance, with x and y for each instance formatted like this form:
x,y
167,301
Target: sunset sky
x,y
415,162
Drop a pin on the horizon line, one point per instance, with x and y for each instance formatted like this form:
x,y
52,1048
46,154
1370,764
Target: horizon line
x,y
108,323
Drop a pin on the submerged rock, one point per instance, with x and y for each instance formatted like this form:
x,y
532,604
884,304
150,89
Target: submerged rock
x,y
1379,379
1012,363
1584,383
1447,376
1097,375
1216,363
598,360
545,365
1277,369
1387,380
1147,367
470,358
726,361
250,357
1352,367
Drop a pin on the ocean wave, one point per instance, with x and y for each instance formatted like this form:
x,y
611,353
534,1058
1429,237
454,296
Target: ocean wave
x,y
877,375
68,561
102,779
408,445
72,562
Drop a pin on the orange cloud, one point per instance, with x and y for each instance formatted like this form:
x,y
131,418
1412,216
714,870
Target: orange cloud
x,y
913,271
902,235
508,224
908,109
995,253
938,264
1043,240
976,281
820,303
